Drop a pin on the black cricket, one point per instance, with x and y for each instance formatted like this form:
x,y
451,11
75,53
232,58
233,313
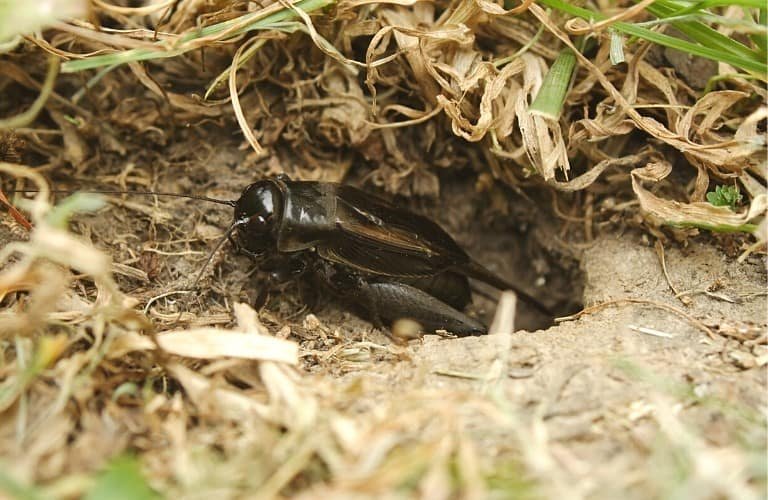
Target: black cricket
x,y
390,261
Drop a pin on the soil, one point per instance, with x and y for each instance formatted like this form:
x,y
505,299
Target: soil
x,y
590,396
587,393
652,392
647,381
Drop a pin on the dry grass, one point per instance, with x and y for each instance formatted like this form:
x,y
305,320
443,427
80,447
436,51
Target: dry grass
x,y
395,92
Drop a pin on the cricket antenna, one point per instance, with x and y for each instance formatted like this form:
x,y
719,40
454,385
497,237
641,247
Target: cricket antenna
x,y
231,203
212,253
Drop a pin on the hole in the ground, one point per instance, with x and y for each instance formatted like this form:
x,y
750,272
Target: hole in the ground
x,y
521,247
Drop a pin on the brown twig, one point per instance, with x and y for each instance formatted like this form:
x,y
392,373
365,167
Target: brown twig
x,y
619,302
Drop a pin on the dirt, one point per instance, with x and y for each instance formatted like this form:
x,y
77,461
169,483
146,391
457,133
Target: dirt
x,y
591,390
592,400
646,381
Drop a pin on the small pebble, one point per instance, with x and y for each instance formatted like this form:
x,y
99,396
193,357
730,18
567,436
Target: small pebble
x,y
406,329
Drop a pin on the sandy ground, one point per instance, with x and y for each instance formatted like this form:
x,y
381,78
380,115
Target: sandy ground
x,y
652,394
597,399
603,409
657,390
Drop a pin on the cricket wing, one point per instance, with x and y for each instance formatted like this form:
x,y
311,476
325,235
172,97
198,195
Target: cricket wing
x,y
380,238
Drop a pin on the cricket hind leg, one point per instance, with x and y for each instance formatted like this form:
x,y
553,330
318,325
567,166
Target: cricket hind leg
x,y
391,300
448,287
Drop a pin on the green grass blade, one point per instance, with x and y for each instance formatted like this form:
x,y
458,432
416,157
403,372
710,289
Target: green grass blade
x,y
28,116
715,228
122,480
761,41
708,4
549,101
748,60
702,33
259,22
225,74
617,47
13,488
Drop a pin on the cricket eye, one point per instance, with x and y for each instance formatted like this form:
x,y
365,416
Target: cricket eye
x,y
259,223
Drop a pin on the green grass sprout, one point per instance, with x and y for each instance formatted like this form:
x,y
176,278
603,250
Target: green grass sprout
x,y
725,196
549,101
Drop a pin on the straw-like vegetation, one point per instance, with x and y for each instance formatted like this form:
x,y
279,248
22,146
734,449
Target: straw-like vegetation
x,y
113,378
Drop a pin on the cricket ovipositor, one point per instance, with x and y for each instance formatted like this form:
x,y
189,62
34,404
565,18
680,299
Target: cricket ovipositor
x,y
391,261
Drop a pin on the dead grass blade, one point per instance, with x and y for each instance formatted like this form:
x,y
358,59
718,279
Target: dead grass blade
x,y
211,343
701,215
241,120
28,116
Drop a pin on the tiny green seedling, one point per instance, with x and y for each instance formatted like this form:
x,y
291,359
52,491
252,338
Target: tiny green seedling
x,y
725,196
